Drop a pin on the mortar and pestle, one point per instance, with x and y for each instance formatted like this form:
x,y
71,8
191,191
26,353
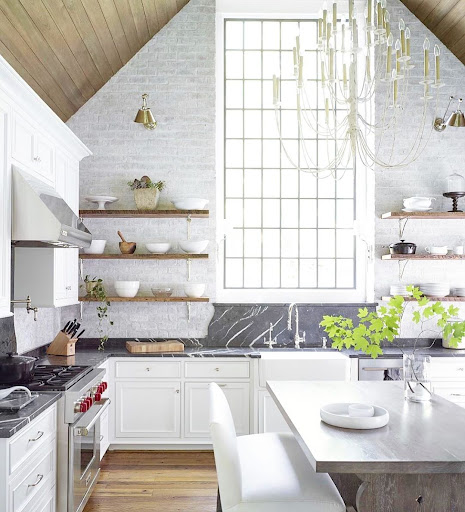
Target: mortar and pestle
x,y
126,247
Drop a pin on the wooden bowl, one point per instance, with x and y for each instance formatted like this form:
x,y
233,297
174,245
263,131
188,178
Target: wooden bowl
x,y
127,247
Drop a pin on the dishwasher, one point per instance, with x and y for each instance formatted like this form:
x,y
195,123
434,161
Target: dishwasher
x,y
388,368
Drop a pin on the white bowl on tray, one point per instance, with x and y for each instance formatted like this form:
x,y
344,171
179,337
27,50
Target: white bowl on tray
x,y
158,247
194,290
101,200
127,289
337,415
96,247
189,203
192,246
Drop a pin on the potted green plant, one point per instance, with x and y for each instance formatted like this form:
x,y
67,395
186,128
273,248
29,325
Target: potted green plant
x,y
146,192
384,325
96,290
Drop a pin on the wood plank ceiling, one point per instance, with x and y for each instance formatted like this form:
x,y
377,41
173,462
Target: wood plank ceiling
x,y
445,18
66,50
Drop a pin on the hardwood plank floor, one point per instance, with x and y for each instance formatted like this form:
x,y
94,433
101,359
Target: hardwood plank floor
x,y
150,481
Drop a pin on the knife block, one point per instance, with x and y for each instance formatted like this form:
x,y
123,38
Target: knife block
x,y
62,345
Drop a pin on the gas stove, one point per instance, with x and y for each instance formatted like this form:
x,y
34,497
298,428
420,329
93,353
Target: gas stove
x,y
56,377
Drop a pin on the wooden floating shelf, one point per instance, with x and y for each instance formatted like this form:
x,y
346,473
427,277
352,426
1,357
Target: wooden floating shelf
x,y
147,299
423,257
142,214
442,299
424,215
169,256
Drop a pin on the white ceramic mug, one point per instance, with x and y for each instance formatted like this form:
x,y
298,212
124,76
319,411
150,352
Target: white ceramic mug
x,y
458,250
437,250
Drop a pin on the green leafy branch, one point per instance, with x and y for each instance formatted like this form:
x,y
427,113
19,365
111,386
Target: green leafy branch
x,y
384,324
98,292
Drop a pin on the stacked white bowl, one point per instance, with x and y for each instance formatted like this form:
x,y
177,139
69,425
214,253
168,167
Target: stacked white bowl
x,y
459,292
399,289
435,289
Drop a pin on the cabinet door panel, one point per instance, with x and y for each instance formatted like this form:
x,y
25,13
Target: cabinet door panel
x,y
197,407
148,409
44,157
22,148
270,418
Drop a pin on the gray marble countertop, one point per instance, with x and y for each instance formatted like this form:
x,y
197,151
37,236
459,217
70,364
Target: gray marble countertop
x,y
11,423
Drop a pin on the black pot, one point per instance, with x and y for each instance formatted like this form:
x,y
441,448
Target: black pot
x,y
403,247
16,369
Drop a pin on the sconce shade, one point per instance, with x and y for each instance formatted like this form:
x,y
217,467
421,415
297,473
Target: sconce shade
x,y
457,119
144,115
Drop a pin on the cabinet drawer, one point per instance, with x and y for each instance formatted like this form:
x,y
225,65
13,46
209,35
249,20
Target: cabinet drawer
x,y
217,370
147,370
25,490
451,391
46,504
30,439
448,369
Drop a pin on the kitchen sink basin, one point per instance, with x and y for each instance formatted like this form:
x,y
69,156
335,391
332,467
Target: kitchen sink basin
x,y
300,354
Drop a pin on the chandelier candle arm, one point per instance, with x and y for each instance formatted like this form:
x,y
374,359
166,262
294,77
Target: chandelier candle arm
x,y
407,40
437,53
369,12
426,47
334,15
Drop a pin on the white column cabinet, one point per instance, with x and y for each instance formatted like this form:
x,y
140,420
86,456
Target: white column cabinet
x,y
196,407
147,409
5,214
270,418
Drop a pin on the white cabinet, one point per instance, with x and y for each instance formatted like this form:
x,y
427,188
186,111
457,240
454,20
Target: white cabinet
x,y
270,418
57,283
31,149
147,409
28,469
5,215
196,407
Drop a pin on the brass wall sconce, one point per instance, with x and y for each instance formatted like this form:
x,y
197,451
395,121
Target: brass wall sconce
x,y
145,116
456,119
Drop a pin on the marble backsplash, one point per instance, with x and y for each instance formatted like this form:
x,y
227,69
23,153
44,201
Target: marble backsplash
x,y
248,325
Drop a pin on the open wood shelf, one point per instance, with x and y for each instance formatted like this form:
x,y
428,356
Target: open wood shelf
x,y
423,257
142,298
424,215
142,214
168,256
434,299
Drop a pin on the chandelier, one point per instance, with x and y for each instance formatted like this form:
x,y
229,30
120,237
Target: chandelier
x,y
360,55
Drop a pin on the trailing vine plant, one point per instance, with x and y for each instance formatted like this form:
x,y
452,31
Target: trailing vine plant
x,y
97,291
385,323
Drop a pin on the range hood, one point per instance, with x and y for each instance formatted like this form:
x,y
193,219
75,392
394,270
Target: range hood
x,y
41,217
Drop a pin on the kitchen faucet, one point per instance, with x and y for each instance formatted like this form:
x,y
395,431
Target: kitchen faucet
x,y
270,342
297,339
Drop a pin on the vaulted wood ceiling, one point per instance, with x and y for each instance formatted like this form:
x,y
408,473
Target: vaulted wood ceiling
x,y
66,50
445,18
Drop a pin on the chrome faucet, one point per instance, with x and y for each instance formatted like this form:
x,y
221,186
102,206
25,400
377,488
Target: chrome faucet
x,y
270,342
297,339
29,306
324,342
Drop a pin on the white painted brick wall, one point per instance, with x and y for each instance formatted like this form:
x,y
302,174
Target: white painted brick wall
x,y
425,177
177,69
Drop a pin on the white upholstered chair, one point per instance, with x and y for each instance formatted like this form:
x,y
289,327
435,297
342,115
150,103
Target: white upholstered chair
x,y
265,472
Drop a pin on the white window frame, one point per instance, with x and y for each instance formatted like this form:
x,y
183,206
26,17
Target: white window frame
x,y
364,193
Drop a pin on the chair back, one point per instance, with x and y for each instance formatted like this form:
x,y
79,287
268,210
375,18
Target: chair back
x,y
224,440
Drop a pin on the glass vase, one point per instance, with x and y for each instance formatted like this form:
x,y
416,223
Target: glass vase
x,y
417,378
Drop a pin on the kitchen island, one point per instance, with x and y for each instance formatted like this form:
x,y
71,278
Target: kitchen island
x,y
415,462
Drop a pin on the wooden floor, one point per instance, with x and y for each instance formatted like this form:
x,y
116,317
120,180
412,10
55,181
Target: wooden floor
x,y
149,481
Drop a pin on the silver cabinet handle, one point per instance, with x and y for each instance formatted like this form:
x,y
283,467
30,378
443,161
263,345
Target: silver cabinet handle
x,y
457,394
147,369
222,385
39,435
37,482
217,369
371,369
37,159
177,391
68,288
101,437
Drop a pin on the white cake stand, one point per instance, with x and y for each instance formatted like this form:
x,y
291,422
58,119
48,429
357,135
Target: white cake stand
x,y
101,200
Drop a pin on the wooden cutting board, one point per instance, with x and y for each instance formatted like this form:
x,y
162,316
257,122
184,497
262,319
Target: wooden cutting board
x,y
138,347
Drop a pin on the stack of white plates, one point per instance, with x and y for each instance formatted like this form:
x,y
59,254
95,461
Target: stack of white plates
x,y
435,289
459,292
399,289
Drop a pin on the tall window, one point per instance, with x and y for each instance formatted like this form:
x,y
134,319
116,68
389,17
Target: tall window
x,y
291,230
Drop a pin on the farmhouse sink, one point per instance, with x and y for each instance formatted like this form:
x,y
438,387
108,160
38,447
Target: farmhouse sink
x,y
298,354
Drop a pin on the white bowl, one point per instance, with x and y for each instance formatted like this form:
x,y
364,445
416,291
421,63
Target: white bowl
x,y
96,247
338,416
189,203
194,290
158,247
361,411
127,288
162,292
190,246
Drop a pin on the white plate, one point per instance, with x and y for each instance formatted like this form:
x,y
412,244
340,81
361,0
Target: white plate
x,y
411,210
101,200
338,416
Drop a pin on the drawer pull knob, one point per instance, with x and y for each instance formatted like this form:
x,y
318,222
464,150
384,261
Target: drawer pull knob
x,y
147,369
217,369
177,391
37,482
39,435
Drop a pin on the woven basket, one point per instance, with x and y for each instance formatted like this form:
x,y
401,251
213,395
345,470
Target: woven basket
x,y
146,198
